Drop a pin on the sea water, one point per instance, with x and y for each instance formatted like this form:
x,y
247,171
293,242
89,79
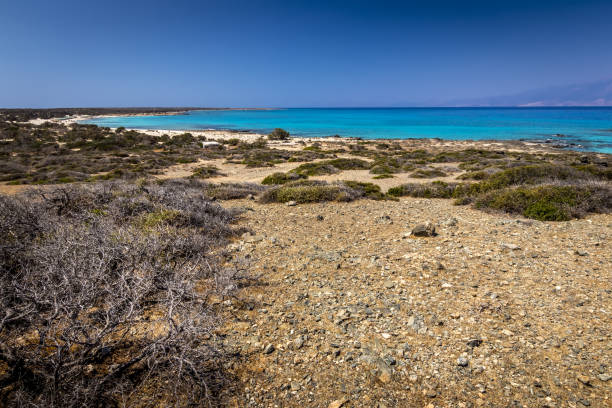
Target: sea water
x,y
578,128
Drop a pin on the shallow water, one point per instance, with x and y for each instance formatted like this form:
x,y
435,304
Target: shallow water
x,y
577,128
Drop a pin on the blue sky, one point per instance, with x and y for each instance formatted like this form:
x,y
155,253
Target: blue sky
x,y
294,53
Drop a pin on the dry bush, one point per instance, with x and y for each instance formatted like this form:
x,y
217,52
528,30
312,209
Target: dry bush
x,y
103,293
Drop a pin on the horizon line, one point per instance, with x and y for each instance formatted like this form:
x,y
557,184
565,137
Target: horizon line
x,y
194,108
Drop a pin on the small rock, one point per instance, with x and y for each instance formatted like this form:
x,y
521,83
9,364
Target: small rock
x,y
424,230
605,377
268,349
474,343
584,379
337,403
451,222
384,376
298,342
511,247
389,284
431,393
320,218
291,203
507,332
385,219
462,361
580,253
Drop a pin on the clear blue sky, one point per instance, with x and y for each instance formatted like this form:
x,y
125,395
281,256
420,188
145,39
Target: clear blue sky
x,y
294,53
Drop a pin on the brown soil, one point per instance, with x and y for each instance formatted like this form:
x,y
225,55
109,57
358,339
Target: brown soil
x,y
495,311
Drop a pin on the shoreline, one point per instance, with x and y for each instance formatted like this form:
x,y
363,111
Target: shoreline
x,y
251,136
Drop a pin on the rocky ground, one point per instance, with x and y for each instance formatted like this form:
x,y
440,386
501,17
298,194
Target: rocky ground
x,y
351,310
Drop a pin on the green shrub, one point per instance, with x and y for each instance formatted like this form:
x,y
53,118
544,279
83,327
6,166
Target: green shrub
x,y
154,219
436,189
282,178
549,202
474,175
206,172
233,191
532,174
389,164
232,142
601,172
331,166
315,169
279,134
369,190
349,164
428,173
310,191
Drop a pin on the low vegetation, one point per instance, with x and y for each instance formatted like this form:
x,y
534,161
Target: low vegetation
x,y
205,172
279,134
310,191
331,166
545,192
52,153
368,190
428,173
436,189
104,295
550,202
282,178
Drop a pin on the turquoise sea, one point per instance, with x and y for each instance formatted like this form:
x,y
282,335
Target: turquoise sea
x,y
588,129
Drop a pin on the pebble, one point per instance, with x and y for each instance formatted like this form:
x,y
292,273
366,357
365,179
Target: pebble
x,y
584,379
269,349
338,403
462,361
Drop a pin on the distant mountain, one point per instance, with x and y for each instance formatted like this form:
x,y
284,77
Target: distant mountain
x,y
597,93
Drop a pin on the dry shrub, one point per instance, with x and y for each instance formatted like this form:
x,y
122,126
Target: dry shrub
x,y
102,309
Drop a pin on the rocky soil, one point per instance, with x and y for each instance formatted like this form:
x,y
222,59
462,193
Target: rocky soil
x,y
352,310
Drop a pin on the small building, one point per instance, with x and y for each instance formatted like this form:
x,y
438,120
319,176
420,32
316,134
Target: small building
x,y
209,144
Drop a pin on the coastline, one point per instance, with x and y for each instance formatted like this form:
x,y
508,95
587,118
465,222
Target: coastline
x,y
249,137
